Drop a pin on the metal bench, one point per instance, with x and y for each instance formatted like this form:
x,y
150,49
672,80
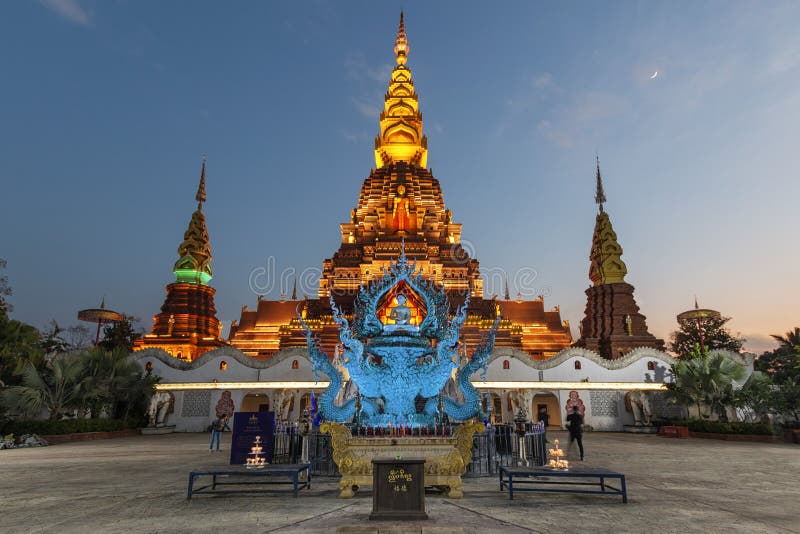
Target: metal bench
x,y
514,477
294,472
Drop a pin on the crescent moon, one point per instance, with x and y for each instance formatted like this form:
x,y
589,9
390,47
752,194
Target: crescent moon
x,y
653,77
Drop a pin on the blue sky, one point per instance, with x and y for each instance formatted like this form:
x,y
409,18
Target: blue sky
x,y
107,106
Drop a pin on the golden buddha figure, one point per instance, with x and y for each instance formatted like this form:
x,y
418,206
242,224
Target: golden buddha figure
x,y
401,211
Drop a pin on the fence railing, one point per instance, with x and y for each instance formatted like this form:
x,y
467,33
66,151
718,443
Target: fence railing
x,y
288,449
501,446
497,446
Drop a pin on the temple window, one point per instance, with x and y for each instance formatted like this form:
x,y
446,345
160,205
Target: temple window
x,y
651,366
148,366
223,365
295,364
577,364
506,364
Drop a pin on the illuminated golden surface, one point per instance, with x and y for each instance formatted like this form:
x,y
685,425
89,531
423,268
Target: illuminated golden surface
x,y
401,137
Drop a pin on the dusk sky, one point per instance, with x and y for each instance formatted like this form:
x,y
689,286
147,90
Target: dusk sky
x,y
106,108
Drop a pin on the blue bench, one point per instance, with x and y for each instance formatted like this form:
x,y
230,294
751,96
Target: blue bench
x,y
542,478
293,472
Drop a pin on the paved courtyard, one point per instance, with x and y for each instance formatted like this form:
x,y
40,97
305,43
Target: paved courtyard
x,y
138,484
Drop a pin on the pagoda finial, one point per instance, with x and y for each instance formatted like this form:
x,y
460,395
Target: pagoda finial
x,y
600,195
294,289
201,189
401,47
696,307
508,293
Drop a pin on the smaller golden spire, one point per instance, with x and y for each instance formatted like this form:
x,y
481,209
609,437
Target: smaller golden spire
x,y
401,47
194,253
606,266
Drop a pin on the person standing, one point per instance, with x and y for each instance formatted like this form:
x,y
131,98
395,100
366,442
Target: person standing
x,y
216,433
575,426
544,418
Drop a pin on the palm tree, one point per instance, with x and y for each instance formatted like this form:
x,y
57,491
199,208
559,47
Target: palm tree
x,y
718,382
790,340
705,380
54,386
113,383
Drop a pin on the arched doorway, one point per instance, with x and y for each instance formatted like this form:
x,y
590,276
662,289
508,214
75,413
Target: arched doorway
x,y
549,402
255,402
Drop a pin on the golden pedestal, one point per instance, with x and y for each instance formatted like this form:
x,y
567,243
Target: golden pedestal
x,y
446,458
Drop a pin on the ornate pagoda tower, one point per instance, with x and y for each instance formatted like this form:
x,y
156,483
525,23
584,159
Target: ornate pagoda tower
x,y
187,325
400,205
612,325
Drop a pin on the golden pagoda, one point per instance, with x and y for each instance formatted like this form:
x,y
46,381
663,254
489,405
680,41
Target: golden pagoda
x,y
400,205
612,325
187,325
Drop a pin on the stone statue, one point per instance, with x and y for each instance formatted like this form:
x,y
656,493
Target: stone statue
x,y
401,314
640,407
647,413
636,408
526,398
161,405
287,407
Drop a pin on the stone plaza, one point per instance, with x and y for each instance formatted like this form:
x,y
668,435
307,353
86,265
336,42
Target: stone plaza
x,y
138,484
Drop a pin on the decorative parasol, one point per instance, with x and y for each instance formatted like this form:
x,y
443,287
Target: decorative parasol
x,y
100,316
698,315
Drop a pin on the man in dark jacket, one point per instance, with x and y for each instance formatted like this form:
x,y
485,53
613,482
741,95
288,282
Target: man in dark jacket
x,y
544,418
575,426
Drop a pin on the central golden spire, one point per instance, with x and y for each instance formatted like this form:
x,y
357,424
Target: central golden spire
x,y
400,137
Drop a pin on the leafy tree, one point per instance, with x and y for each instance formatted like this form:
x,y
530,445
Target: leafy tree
x,y
52,340
121,334
19,343
780,364
55,387
5,291
790,340
788,400
783,363
92,381
113,383
710,333
756,398
79,337
705,381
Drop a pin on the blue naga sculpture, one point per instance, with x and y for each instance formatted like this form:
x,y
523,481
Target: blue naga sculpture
x,y
405,360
